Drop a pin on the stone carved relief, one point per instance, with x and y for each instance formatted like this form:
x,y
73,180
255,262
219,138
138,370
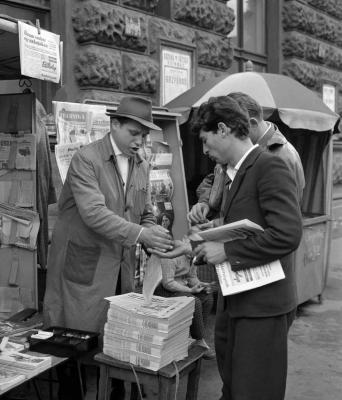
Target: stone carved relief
x,y
224,20
148,5
305,73
297,16
311,75
96,66
214,51
195,12
141,74
161,29
104,23
301,46
332,7
204,74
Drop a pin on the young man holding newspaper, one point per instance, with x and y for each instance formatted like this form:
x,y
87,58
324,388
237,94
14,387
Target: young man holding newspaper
x,y
252,326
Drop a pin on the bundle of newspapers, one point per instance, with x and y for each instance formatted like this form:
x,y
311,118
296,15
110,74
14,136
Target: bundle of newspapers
x,y
148,335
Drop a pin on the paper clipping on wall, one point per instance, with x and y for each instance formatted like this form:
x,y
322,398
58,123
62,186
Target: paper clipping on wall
x,y
18,226
39,53
18,152
80,123
64,154
232,282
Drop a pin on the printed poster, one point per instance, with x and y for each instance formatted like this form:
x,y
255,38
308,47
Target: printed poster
x,y
39,53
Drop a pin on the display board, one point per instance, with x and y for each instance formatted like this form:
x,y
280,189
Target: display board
x,y
19,221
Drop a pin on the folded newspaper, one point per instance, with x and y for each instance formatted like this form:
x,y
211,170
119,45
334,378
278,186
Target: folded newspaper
x,y
233,282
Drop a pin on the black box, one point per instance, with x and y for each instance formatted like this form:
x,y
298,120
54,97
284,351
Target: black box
x,y
65,342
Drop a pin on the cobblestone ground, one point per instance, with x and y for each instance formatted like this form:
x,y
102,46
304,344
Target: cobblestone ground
x,y
315,355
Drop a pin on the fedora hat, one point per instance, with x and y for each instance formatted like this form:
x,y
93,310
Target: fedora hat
x,y
137,108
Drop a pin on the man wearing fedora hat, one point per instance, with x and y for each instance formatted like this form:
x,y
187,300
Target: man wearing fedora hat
x,y
104,211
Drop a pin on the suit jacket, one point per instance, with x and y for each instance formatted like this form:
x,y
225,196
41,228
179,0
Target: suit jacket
x,y
265,192
94,236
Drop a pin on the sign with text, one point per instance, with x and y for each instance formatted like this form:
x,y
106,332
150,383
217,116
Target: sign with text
x,y
39,53
329,96
176,68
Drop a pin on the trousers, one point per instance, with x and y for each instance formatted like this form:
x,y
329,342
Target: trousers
x,y
251,356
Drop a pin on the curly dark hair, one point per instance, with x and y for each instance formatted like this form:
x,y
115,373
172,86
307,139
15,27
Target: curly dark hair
x,y
222,109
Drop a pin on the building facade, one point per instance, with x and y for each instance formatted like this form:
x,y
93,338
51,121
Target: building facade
x,y
159,48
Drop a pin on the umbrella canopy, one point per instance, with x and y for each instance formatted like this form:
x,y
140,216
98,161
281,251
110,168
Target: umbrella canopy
x,y
297,106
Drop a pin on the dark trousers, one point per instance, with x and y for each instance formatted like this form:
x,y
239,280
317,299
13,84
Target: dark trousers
x,y
251,356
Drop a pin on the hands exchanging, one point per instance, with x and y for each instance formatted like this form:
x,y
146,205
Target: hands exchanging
x,y
198,213
181,247
211,252
157,237
197,288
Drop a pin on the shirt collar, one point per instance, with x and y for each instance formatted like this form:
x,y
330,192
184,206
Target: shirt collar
x,y
268,128
117,151
231,171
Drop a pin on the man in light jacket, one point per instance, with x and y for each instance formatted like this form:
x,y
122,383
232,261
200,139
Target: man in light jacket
x,y
104,211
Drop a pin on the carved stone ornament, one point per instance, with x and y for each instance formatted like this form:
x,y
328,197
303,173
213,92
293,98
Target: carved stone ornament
x,y
297,16
103,23
225,19
161,29
141,74
148,5
214,51
97,66
196,12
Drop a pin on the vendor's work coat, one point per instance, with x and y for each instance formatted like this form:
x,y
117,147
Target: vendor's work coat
x,y
95,236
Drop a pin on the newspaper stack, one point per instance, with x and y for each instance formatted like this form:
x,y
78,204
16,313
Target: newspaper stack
x,y
24,363
149,335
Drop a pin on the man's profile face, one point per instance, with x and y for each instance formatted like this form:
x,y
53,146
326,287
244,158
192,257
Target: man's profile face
x,y
214,146
128,136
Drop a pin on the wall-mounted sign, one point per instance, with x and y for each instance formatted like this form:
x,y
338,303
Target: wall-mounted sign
x,y
39,53
132,26
329,96
176,73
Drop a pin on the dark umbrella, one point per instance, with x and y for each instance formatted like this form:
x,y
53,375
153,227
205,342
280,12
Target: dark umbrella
x,y
297,106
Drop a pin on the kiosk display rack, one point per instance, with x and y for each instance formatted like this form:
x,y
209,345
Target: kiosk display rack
x,y
19,222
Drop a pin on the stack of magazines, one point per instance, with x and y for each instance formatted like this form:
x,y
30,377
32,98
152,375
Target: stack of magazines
x,y
24,363
149,335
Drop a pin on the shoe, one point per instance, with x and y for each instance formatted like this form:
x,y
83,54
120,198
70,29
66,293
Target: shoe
x,y
209,354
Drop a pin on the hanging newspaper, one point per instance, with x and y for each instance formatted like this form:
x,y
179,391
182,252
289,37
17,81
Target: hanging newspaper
x,y
83,123
18,152
39,53
64,153
77,125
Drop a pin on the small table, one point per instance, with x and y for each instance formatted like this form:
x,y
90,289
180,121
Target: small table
x,y
165,378
33,374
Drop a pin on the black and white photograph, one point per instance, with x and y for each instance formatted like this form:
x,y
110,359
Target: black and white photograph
x,y
179,155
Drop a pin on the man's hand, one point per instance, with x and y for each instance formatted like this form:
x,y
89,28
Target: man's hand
x,y
198,213
212,252
156,236
197,288
180,248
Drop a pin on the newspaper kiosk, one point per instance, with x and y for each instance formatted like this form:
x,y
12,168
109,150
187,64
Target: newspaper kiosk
x,y
20,209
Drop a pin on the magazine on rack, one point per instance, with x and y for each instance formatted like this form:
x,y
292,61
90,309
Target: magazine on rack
x,y
227,232
232,282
